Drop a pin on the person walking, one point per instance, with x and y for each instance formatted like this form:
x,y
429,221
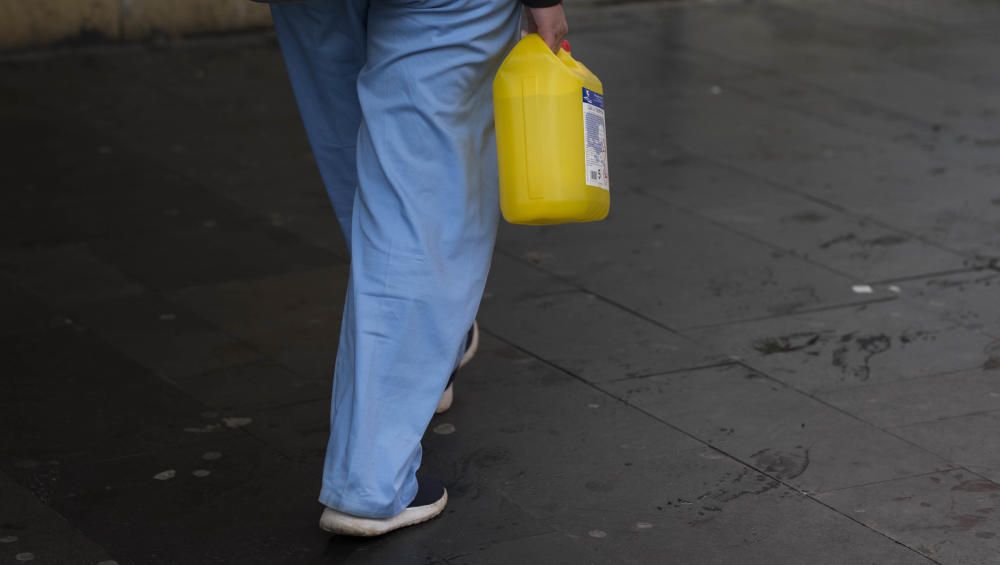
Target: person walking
x,y
396,98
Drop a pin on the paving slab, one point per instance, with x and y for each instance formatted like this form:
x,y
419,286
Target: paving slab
x,y
258,384
94,401
66,275
921,399
967,298
820,233
949,517
555,548
222,155
520,395
689,508
776,429
972,441
294,317
579,331
28,526
672,280
23,311
803,153
265,514
298,431
172,260
165,337
845,347
478,516
643,500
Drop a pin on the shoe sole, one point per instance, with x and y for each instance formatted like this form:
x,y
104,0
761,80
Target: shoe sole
x,y
338,523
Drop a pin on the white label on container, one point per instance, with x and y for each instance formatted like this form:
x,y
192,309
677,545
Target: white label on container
x,y
595,141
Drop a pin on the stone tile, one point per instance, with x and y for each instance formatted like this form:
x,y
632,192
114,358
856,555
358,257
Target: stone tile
x,y
972,441
95,402
299,431
23,311
820,233
223,154
845,347
949,517
805,154
355,551
260,384
478,516
967,298
578,331
230,456
922,399
775,428
262,513
697,507
294,317
140,197
31,208
66,275
66,547
172,260
27,525
136,195
554,549
163,336
511,411
671,278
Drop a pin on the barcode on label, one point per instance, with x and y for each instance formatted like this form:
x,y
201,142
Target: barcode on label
x,y
594,175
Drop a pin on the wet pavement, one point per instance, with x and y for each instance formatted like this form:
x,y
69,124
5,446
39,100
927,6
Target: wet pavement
x,y
782,348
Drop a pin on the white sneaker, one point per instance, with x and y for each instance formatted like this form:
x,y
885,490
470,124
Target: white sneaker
x,y
430,501
471,347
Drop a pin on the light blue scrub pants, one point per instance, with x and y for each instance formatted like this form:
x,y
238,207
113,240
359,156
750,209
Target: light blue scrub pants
x,y
396,96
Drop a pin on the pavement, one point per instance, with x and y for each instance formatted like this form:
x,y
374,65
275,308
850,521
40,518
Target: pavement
x,y
781,348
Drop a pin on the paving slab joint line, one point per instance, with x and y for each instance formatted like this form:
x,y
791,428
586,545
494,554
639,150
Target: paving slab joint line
x,y
728,362
907,380
816,310
50,508
846,413
734,230
600,297
884,481
732,457
196,401
901,14
831,205
946,418
922,276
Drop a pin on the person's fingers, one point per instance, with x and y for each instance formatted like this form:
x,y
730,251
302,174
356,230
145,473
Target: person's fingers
x,y
550,24
553,38
529,24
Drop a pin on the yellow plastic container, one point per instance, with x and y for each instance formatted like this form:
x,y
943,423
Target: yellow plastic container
x,y
551,137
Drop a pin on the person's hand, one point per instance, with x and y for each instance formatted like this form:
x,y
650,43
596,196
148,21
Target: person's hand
x,y
550,23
